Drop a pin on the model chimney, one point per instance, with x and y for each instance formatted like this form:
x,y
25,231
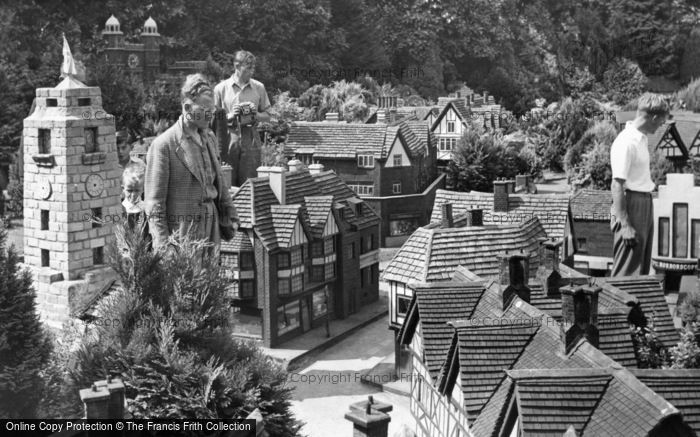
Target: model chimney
x,y
278,183
381,115
316,168
513,272
332,116
500,195
548,271
447,219
475,217
522,183
579,311
295,165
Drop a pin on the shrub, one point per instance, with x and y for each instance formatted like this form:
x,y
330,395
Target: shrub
x,y
587,163
172,343
24,344
690,96
686,355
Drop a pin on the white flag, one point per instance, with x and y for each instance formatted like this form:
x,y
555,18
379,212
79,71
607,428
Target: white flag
x,y
68,67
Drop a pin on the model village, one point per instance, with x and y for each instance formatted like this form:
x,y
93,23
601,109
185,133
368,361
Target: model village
x,y
397,304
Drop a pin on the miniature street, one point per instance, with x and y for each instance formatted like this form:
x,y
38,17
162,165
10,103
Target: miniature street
x,y
323,405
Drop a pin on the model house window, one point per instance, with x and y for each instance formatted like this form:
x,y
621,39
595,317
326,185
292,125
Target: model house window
x,y
448,144
664,227
44,220
330,271
582,244
287,317
695,239
246,261
329,246
403,303
351,251
396,188
297,256
363,190
246,288
297,283
317,273
306,158
397,160
680,230
450,126
320,303
365,161
317,249
283,286
283,260
44,140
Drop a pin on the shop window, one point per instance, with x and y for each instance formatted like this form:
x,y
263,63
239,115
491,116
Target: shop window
x,y
663,243
287,317
680,230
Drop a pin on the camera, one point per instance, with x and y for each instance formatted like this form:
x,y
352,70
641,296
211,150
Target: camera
x,y
246,117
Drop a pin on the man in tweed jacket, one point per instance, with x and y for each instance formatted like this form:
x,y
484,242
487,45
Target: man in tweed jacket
x,y
184,185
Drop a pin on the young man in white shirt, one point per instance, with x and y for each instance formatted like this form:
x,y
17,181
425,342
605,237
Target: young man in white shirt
x,y
632,211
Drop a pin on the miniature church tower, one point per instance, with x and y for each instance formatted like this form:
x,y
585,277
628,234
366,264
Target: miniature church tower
x,y
71,175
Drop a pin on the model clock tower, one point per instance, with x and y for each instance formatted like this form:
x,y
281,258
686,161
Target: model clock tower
x,y
71,191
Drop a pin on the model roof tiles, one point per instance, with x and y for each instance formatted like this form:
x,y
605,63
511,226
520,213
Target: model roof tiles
x,y
259,209
551,209
593,205
341,140
680,387
433,254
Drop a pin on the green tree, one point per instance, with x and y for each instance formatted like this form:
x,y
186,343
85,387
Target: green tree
x,y
24,344
686,355
587,163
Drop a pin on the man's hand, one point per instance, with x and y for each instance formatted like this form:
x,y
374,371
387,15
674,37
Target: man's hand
x,y
629,235
236,110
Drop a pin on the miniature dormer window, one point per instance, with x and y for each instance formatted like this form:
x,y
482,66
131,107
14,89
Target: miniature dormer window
x,y
44,158
92,154
365,161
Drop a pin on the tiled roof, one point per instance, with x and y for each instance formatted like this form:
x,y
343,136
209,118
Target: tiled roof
x,y
650,294
433,305
341,140
552,209
284,217
596,401
330,184
594,205
433,253
681,387
416,134
460,108
239,242
258,208
318,208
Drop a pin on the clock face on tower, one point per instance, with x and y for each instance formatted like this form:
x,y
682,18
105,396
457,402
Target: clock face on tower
x,y
45,189
133,60
94,184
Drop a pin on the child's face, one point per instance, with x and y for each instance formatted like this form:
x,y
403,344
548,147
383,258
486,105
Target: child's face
x,y
133,190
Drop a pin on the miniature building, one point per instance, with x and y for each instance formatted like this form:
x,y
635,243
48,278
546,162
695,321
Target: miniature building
x,y
505,206
676,228
143,59
71,175
307,250
485,363
390,166
594,239
458,114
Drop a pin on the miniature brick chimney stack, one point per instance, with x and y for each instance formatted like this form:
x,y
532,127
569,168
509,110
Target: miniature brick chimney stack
x,y
548,271
447,219
500,195
332,116
381,115
513,272
579,310
369,421
475,217
104,400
